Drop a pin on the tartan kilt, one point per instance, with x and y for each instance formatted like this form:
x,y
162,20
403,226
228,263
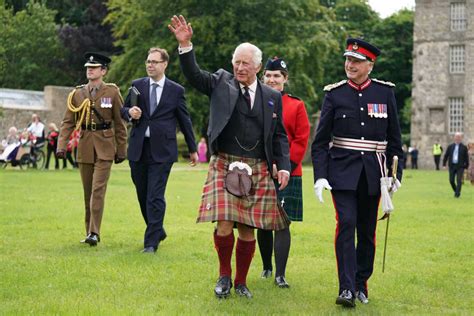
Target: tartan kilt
x,y
259,210
292,196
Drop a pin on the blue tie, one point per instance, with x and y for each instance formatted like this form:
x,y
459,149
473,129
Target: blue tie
x,y
153,102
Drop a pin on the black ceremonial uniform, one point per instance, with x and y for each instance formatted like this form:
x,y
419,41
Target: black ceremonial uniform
x,y
357,113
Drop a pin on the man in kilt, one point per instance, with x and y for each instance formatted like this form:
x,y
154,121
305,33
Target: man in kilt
x,y
245,128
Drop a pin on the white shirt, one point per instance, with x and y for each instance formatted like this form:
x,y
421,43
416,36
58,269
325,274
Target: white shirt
x,y
159,91
36,128
252,91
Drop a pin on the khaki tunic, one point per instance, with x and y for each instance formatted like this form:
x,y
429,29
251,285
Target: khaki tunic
x,y
102,144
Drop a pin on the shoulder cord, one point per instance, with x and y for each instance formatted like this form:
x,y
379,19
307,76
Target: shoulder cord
x,y
82,110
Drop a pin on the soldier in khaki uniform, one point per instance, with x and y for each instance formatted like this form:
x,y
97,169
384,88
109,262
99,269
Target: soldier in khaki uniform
x,y
94,109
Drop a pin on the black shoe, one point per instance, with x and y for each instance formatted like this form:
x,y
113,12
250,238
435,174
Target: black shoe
x,y
281,282
163,236
223,286
151,250
243,290
346,299
92,239
362,298
266,274
83,241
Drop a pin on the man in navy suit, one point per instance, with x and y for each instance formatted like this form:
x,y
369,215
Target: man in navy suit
x,y
458,159
153,149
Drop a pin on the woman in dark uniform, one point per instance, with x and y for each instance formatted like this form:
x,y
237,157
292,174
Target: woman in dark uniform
x,y
295,120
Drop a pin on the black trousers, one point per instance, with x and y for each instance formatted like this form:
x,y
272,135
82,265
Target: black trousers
x,y
150,179
455,173
51,150
355,210
437,159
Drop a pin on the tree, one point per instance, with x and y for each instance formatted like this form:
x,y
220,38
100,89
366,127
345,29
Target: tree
x,y
298,31
29,48
395,36
355,18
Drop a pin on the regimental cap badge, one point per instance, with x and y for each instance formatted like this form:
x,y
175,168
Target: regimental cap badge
x,y
96,60
276,63
361,49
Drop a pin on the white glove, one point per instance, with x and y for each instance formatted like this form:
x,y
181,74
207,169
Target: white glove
x,y
319,186
395,186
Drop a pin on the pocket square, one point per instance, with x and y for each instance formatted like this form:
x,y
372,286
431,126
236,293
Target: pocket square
x,y
274,115
270,103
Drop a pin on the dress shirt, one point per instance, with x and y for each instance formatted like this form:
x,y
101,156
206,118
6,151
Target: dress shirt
x,y
159,91
456,153
252,90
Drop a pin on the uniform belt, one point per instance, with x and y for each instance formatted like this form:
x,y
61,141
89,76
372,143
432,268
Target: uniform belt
x,y
360,144
96,127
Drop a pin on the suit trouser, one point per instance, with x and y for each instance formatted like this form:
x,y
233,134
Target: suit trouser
x,y
94,182
355,210
150,179
456,172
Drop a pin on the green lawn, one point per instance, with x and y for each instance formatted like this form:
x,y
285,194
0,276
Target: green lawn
x,y
45,270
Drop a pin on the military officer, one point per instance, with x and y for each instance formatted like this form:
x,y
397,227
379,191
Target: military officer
x,y
359,117
94,110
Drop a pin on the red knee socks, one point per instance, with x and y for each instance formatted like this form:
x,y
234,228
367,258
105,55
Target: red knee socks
x,y
243,255
224,246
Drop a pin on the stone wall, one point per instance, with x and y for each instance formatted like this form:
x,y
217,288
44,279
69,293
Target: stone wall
x,y
433,84
17,112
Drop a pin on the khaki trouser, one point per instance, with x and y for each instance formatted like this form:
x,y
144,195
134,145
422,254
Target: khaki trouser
x,y
94,182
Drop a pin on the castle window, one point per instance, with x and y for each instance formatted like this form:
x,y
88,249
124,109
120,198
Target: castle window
x,y
458,16
456,58
456,115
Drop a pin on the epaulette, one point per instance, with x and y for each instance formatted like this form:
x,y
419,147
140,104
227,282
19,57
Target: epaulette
x,y
293,97
329,87
387,83
112,85
80,86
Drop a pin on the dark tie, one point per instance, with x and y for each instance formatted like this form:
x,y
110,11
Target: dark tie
x,y
93,92
247,97
153,102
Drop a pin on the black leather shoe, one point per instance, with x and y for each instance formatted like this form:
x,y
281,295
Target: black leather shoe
x,y
163,236
223,286
266,274
83,241
92,239
362,298
281,282
243,290
149,250
346,299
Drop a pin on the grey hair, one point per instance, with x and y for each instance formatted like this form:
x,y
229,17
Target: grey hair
x,y
256,52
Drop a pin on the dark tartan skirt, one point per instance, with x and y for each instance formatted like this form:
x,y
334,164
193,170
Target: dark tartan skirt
x,y
259,210
292,199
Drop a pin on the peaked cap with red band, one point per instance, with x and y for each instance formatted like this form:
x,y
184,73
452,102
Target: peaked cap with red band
x,y
361,49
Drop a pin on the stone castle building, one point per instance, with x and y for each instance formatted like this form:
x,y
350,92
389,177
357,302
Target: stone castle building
x,y
443,75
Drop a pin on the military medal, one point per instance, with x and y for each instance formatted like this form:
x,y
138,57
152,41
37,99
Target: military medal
x,y
370,109
106,103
